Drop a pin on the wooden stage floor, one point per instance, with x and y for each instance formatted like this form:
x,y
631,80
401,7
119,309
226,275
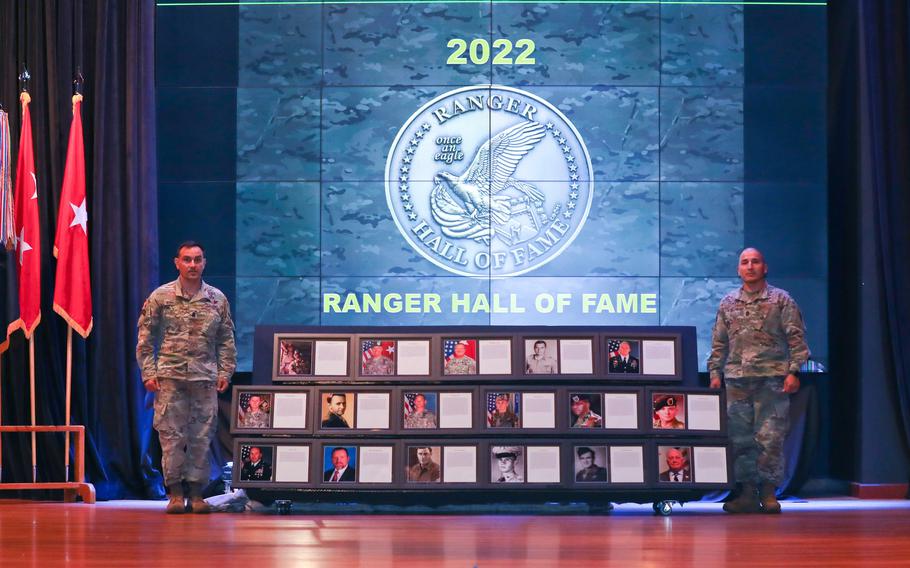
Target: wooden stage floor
x,y
138,533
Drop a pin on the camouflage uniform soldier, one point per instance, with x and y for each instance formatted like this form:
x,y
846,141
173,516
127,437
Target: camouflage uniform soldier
x,y
758,346
186,352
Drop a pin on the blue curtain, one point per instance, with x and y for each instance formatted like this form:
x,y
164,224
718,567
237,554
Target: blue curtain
x,y
113,43
884,162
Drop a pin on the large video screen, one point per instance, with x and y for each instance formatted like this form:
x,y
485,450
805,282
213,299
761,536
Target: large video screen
x,y
494,163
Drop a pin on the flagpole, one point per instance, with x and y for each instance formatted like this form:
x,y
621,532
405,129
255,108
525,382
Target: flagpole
x,y
31,372
69,394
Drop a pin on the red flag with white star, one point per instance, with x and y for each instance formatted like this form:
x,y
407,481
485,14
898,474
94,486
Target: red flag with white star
x,y
73,288
28,233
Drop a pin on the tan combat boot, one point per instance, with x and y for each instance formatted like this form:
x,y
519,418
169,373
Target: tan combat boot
x,y
198,504
745,502
175,505
769,503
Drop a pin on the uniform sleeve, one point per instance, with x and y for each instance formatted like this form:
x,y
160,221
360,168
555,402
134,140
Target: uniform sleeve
x,y
795,330
720,346
227,351
149,324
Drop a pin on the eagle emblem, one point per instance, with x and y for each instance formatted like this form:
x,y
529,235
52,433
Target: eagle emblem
x,y
483,201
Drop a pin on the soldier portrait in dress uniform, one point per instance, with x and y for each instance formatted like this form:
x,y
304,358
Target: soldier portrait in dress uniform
x,y
338,410
460,356
506,464
295,358
254,410
585,410
675,466
503,410
588,460
669,411
377,357
624,356
257,463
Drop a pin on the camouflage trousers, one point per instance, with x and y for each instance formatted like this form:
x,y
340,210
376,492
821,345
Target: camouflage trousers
x,y
186,417
758,412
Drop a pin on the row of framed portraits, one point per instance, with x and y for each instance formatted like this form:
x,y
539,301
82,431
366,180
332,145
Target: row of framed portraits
x,y
305,357
466,463
429,409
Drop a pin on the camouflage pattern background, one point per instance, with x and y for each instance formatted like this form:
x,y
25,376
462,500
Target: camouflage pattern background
x,y
658,94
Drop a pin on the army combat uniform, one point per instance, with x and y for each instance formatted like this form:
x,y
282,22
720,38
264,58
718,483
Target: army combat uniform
x,y
758,339
461,366
187,344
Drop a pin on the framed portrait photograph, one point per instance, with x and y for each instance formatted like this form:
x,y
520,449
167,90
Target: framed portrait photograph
x,y
424,464
674,464
710,464
420,410
623,356
507,464
292,464
504,410
254,410
494,356
337,409
669,411
585,410
456,410
591,465
459,356
542,464
576,356
541,356
295,357
377,357
339,464
412,357
459,464
256,462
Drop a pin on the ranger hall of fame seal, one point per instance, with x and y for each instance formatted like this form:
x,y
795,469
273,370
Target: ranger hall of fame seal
x,y
489,181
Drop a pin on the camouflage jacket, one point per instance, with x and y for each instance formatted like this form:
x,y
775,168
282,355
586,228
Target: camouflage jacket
x,y
757,335
186,338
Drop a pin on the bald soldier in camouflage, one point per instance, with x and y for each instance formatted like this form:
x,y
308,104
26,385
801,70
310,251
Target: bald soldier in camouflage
x,y
757,347
186,353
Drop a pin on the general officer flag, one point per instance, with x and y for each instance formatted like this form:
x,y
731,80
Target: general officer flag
x,y
73,288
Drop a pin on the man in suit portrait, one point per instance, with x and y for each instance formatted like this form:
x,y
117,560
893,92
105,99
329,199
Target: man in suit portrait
x,y
340,470
337,402
624,361
677,467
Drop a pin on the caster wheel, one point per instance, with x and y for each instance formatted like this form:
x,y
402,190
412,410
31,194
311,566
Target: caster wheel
x,y
662,508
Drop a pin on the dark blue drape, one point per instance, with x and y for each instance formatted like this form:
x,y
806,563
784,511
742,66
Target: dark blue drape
x,y
113,42
884,162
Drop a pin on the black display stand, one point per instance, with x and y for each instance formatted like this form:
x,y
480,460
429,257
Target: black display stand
x,y
418,433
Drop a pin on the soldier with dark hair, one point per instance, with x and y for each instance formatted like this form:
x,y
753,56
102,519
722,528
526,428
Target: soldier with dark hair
x,y
757,347
186,353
